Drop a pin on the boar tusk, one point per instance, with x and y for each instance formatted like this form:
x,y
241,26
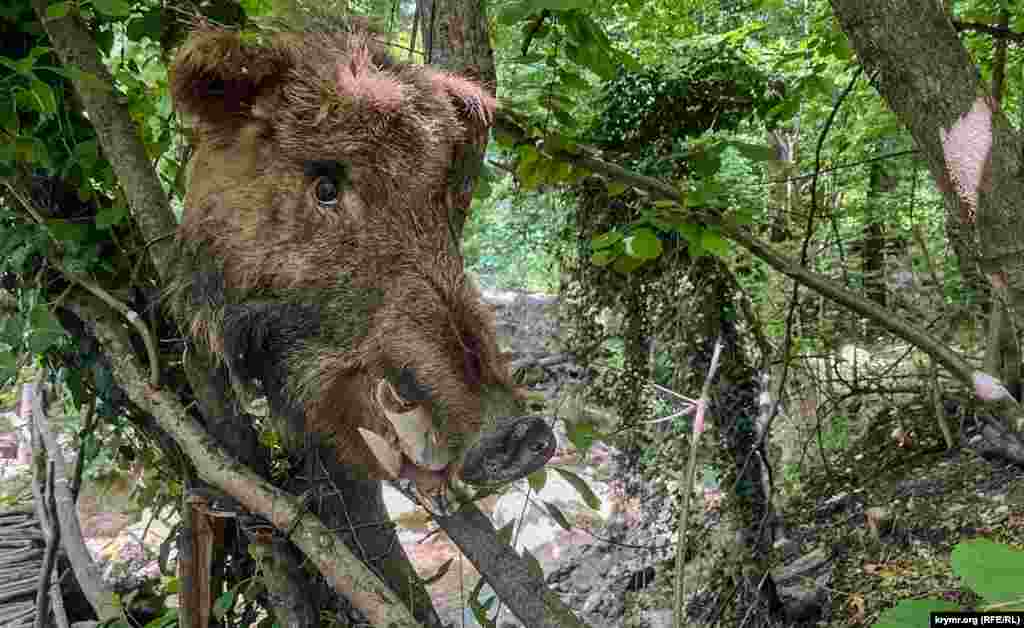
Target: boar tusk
x,y
417,436
388,457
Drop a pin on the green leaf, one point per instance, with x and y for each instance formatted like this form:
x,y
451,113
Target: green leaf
x,y
992,569
912,613
58,10
581,487
538,479
8,152
113,8
44,96
8,116
8,367
625,264
616,188
572,80
86,154
559,517
714,243
602,258
111,216
581,434
224,603
67,231
515,12
605,240
149,25
643,244
32,150
45,330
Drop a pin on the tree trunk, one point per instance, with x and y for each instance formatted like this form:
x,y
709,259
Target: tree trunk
x,y
456,38
920,67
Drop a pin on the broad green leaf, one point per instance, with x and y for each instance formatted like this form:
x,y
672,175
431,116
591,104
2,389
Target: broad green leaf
x,y
113,8
912,613
602,258
516,12
581,487
45,329
643,244
714,243
581,434
58,10
992,569
538,479
625,264
605,240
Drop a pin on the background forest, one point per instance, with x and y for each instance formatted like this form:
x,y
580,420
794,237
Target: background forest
x,y
765,215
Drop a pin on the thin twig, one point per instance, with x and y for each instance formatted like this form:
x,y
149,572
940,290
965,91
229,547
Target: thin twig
x,y
682,524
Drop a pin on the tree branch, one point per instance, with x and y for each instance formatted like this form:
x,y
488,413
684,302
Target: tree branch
x,y
86,572
322,546
891,321
998,32
117,132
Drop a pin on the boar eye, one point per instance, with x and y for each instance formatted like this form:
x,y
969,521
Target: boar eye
x,y
326,191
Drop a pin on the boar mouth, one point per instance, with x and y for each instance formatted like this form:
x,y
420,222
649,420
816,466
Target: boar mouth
x,y
413,443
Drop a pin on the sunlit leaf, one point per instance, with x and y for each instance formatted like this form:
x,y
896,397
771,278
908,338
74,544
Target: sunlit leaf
x,y
605,240
643,244
714,243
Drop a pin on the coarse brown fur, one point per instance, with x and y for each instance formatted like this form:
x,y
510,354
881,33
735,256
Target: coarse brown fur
x,y
318,301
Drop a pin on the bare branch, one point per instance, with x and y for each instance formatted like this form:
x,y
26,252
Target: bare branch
x,y
322,546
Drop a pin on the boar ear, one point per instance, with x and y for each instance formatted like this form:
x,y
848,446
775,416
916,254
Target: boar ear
x,y
475,108
474,103
217,73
